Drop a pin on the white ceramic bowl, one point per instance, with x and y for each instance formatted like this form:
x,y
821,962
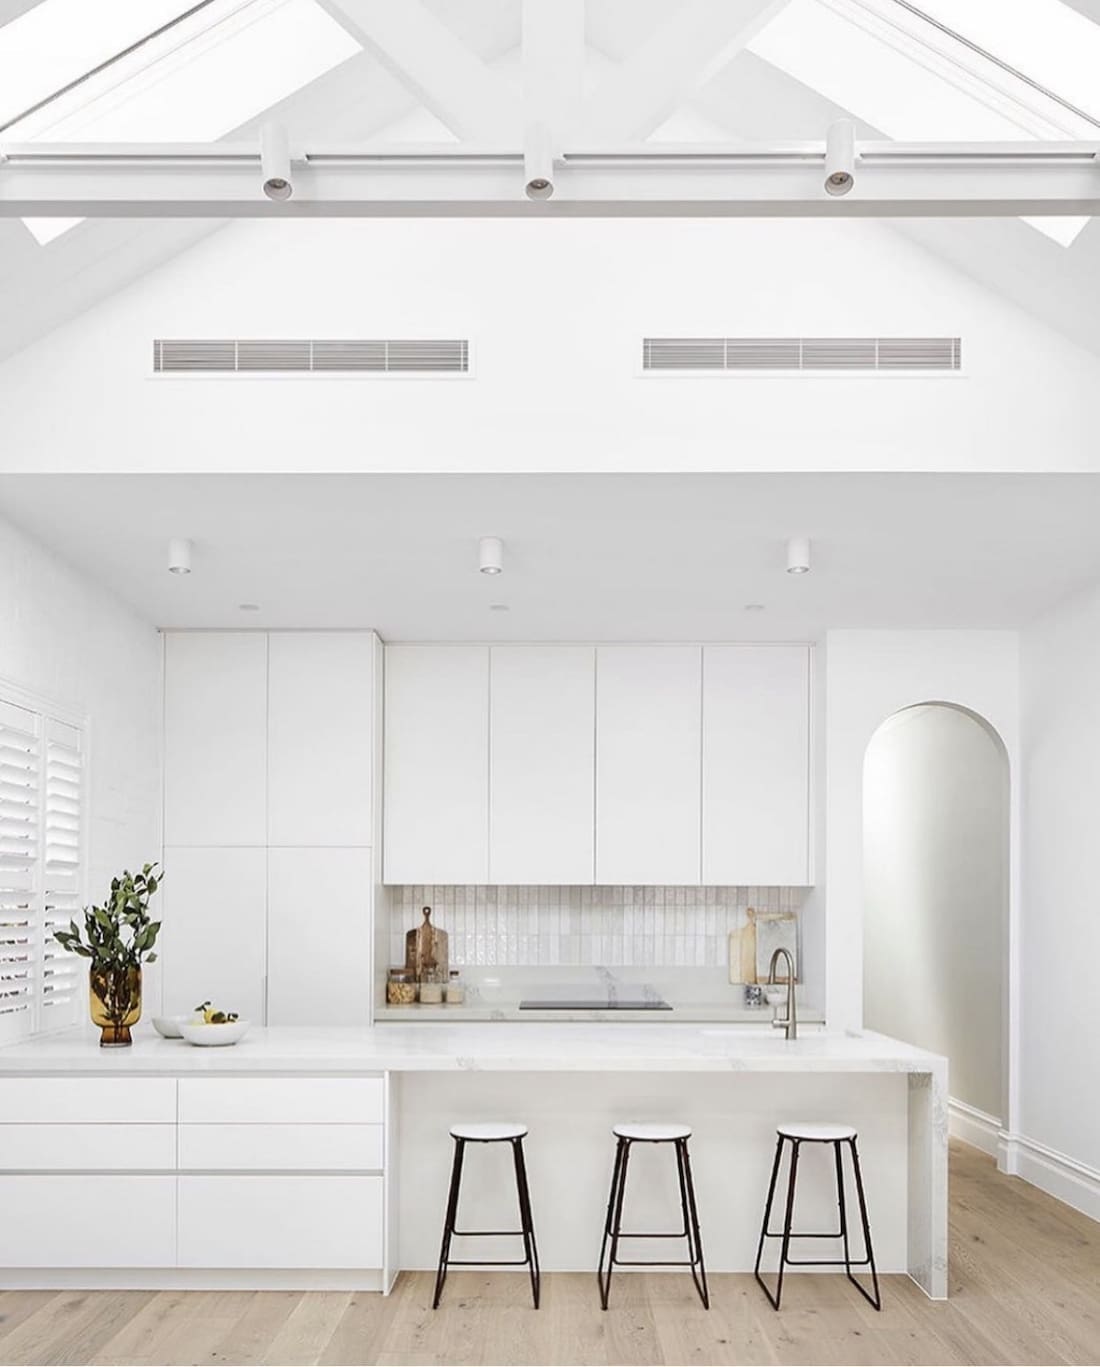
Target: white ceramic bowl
x,y
169,1026
229,1033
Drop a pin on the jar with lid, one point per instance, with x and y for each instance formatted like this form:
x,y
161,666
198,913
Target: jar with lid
x,y
431,987
456,989
400,987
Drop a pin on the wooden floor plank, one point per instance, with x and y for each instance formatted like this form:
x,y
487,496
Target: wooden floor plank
x,y
1025,1273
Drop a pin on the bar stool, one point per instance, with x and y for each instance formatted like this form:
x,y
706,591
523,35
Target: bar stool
x,y
492,1133
678,1136
838,1136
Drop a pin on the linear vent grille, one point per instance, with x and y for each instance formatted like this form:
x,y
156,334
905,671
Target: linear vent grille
x,y
342,356
802,353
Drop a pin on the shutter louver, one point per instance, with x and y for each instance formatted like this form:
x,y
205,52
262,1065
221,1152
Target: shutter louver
x,y
63,813
20,802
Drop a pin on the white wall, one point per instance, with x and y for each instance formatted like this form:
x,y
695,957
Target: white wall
x,y
870,675
1060,1061
556,313
69,640
935,833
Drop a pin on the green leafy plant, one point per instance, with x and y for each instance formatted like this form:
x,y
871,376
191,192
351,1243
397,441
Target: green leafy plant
x,y
118,937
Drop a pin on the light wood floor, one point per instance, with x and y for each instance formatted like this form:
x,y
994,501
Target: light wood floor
x,y
1025,1288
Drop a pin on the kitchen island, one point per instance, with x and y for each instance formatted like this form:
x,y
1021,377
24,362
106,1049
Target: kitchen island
x,y
311,1158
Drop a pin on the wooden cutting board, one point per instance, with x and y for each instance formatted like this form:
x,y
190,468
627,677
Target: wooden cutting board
x,y
742,951
426,950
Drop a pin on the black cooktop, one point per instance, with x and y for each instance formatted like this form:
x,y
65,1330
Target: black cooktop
x,y
603,1004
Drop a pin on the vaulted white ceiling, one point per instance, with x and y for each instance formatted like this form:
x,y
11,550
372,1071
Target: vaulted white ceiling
x,y
737,94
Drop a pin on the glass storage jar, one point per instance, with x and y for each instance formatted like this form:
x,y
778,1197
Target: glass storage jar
x,y
401,987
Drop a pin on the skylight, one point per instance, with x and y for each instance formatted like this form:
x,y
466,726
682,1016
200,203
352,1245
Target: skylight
x,y
198,81
893,67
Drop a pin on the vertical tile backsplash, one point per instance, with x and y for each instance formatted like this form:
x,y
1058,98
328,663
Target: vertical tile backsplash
x,y
615,926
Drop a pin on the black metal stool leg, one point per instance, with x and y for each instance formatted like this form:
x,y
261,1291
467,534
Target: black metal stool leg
x,y
615,1213
876,1299
691,1222
788,1220
526,1220
842,1207
449,1221
764,1224
608,1219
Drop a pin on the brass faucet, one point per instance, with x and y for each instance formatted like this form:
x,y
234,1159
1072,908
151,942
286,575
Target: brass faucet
x,y
790,1024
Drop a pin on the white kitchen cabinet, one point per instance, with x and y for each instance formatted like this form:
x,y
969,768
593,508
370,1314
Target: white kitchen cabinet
x,y
319,937
215,738
280,1148
280,1221
91,1148
215,930
648,744
87,1100
319,729
281,1101
756,765
88,1220
542,765
437,764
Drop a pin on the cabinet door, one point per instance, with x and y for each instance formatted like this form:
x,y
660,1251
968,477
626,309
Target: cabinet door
x,y
215,738
87,1221
318,937
648,739
319,738
437,764
543,768
215,930
756,765
299,1222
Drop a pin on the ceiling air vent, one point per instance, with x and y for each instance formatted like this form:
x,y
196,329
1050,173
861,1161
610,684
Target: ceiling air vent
x,y
801,353
346,356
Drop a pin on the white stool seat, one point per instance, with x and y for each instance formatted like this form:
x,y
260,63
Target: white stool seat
x,y
652,1134
816,1131
489,1131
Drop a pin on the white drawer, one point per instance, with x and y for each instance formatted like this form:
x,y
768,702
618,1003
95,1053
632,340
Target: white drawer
x,y
88,1100
87,1148
87,1222
293,1148
298,1222
281,1101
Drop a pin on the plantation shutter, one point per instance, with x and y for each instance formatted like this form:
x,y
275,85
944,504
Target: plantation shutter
x,y
63,812
20,886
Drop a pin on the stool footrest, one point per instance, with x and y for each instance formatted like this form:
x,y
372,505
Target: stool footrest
x,y
488,1233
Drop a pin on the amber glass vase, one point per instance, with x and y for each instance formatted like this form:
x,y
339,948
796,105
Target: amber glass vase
x,y
115,996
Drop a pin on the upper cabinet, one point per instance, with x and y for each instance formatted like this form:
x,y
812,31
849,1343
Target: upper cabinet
x,y
619,764
436,809
756,765
215,738
648,744
542,702
319,723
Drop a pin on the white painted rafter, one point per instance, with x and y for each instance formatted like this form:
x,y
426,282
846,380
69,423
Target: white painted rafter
x,y
684,52
553,66
893,179
445,75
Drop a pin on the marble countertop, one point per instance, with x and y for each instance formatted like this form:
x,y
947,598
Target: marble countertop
x,y
431,1047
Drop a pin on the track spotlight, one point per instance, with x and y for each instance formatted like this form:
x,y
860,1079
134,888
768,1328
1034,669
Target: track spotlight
x,y
179,556
798,555
490,555
275,161
538,163
840,157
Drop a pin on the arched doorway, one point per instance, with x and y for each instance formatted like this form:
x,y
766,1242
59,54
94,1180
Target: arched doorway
x,y
936,881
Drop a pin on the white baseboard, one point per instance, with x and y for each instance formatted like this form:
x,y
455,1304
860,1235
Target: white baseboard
x,y
1060,1176
186,1279
974,1127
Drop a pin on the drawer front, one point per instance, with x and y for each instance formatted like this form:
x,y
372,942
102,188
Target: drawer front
x,y
87,1148
281,1101
291,1222
87,1222
88,1100
287,1148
